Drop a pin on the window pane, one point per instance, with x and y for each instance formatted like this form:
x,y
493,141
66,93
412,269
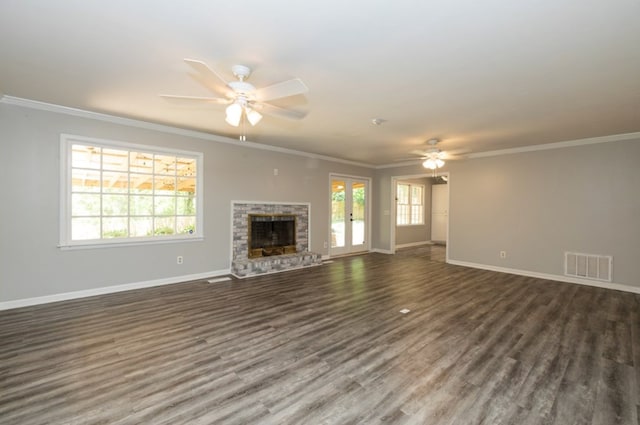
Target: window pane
x,y
84,180
186,167
186,185
115,227
115,205
164,226
115,159
165,165
186,225
140,162
402,214
85,204
417,214
141,184
85,228
85,156
165,185
416,195
113,182
403,193
186,206
141,226
165,205
141,205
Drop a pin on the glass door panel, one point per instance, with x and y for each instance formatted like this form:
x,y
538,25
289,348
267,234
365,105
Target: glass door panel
x,y
358,198
338,209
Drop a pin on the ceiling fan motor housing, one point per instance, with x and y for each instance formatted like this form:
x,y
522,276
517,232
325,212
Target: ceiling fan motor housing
x,y
241,87
241,71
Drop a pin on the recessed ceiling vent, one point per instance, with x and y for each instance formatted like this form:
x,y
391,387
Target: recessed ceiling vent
x,y
588,266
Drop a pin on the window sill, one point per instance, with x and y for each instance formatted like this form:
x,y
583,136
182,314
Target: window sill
x,y
99,245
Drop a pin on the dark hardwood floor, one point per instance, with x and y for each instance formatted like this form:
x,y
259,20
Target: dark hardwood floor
x,y
328,345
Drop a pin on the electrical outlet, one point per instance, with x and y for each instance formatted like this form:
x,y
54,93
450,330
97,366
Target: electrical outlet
x,y
179,259
503,254
326,244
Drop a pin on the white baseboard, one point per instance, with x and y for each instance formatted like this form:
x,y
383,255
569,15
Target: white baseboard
x,y
412,244
555,277
26,302
382,251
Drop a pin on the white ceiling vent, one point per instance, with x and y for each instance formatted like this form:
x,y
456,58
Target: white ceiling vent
x,y
588,266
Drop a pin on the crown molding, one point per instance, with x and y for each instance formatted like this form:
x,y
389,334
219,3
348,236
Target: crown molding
x,y
534,148
50,107
557,145
417,161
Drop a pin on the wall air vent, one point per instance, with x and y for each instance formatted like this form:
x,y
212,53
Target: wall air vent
x,y
588,266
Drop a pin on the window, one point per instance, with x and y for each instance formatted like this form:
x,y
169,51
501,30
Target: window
x,y
122,193
410,204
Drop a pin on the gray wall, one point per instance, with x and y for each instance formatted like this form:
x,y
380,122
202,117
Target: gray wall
x,y
533,205
538,205
31,265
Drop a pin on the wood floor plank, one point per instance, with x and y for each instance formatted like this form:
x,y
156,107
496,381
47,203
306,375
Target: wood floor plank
x,y
328,345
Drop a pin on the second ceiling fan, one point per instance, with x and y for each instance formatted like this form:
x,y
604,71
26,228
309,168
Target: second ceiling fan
x,y
432,157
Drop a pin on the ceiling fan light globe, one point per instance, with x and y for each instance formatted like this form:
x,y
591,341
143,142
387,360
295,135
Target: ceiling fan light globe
x,y
253,116
439,163
234,113
230,121
430,164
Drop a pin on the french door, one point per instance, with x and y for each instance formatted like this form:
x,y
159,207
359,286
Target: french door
x,y
349,215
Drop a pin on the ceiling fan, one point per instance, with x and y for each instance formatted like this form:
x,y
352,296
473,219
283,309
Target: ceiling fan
x,y
433,158
243,98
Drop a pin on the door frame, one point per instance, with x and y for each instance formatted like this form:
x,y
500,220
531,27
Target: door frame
x,y
392,209
368,203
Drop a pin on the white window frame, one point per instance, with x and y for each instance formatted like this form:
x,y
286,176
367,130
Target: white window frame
x,y
66,242
410,204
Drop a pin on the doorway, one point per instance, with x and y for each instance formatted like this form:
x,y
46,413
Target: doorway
x,y
434,228
349,215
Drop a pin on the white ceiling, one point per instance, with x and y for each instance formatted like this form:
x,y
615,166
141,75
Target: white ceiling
x,y
479,75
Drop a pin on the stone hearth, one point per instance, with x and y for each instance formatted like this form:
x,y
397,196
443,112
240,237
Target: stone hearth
x,y
243,266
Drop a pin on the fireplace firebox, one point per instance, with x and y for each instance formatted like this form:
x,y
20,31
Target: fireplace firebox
x,y
271,234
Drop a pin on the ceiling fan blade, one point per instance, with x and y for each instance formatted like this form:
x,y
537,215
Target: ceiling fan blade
x,y
281,112
283,89
209,78
422,154
450,157
193,99
454,154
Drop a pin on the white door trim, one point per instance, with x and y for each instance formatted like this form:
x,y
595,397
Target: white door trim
x,y
368,204
392,209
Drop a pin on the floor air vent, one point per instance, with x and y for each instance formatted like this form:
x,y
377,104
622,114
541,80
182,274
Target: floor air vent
x,y
588,266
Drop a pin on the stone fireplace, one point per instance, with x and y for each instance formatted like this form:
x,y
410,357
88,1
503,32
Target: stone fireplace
x,y
270,237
